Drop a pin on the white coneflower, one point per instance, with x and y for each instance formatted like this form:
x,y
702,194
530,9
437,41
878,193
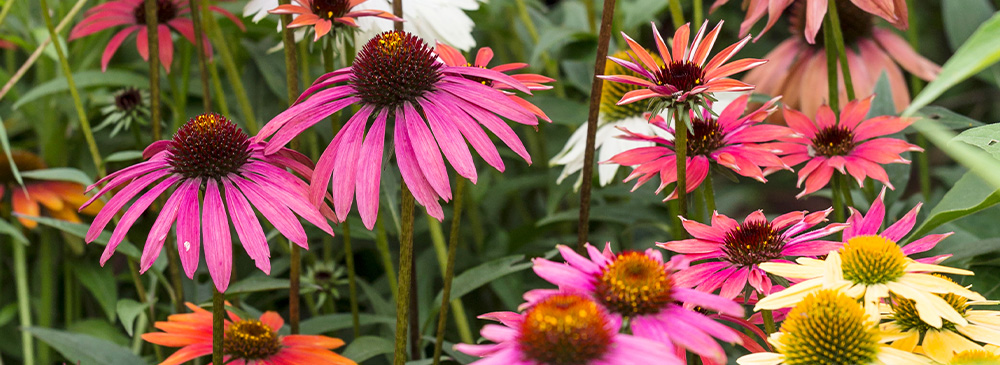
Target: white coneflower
x,y
433,21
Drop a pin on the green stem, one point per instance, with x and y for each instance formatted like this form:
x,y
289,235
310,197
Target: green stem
x,y
838,38
449,274
699,12
95,154
181,93
41,47
838,206
206,97
153,38
218,313
845,189
47,290
174,267
831,67
23,306
291,63
6,10
769,327
709,194
246,109
681,117
304,57
405,271
294,277
220,100
351,281
676,13
591,13
916,85
382,245
140,290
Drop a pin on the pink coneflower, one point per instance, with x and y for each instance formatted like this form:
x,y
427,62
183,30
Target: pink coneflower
x,y
731,140
870,224
893,11
246,341
735,249
397,77
685,75
641,287
132,14
797,67
849,146
323,15
210,163
453,57
563,329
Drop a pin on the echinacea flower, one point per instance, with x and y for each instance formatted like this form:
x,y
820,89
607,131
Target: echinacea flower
x,y
434,21
397,77
213,168
893,11
564,328
684,75
976,357
869,225
731,140
942,344
324,15
871,267
735,250
128,107
830,328
639,286
245,342
796,67
853,145
132,14
60,199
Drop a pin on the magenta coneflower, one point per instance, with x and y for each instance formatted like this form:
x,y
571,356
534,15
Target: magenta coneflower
x,y
735,249
849,146
211,163
870,224
731,140
563,329
641,287
685,75
132,14
397,77
323,15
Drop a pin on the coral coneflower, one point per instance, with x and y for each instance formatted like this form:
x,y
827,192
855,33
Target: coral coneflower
x,y
564,329
852,145
893,11
397,77
323,15
731,140
60,199
245,342
212,165
830,328
735,250
795,67
639,286
132,14
684,75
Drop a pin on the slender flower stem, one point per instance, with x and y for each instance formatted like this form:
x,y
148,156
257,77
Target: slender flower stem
x,y
769,327
916,85
596,86
591,13
140,290
153,38
173,265
699,11
95,154
294,277
220,93
838,39
676,13
831,67
6,10
23,306
47,290
199,35
229,64
41,47
291,62
845,189
405,271
709,194
681,117
218,313
449,271
838,205
397,10
414,313
352,285
382,245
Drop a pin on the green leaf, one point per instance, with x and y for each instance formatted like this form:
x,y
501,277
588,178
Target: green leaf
x,y
969,195
86,350
333,322
13,232
7,313
257,283
483,274
986,137
84,79
960,20
5,142
128,310
946,118
124,156
59,174
80,230
882,104
367,347
101,283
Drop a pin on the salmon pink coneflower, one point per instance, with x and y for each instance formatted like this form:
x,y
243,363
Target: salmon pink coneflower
x,y
850,145
640,287
735,250
397,77
893,11
564,329
60,199
731,140
132,14
245,342
210,163
684,75
323,15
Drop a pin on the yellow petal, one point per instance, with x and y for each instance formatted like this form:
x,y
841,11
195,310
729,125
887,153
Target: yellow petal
x,y
890,356
933,284
914,266
791,270
980,333
942,345
761,358
790,296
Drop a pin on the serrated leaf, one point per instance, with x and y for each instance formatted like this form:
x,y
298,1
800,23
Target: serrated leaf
x,y
367,347
80,230
128,310
84,79
333,322
969,195
85,349
59,174
101,283
986,137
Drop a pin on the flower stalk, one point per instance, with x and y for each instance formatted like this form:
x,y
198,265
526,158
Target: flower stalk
x,y
676,13
229,64
449,275
218,317
206,95
681,121
154,67
597,85
405,274
41,47
838,41
352,285
382,245
23,307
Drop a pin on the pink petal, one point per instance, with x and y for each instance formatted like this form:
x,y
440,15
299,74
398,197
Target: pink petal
x,y
218,242
189,226
248,228
370,171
